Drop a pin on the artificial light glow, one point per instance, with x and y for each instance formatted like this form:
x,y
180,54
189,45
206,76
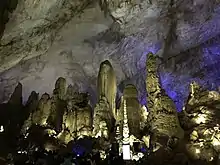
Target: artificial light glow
x,y
144,107
102,155
197,151
22,152
126,152
202,118
146,140
137,156
26,135
2,128
144,112
215,142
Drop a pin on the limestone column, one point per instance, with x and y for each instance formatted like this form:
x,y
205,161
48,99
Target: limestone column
x,y
107,86
133,109
162,120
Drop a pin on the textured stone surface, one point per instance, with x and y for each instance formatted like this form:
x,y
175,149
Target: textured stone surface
x,y
202,111
102,119
162,119
43,111
44,40
107,86
133,111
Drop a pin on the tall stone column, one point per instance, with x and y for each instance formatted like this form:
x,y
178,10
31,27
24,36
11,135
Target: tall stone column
x,y
162,120
133,109
107,86
57,104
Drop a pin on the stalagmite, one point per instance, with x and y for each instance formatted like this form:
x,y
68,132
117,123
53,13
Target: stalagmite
x,y
102,119
133,109
107,86
163,120
31,108
57,104
16,97
60,87
42,113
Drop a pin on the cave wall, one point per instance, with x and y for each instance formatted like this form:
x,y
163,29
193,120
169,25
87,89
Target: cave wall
x,y
75,39
6,8
200,64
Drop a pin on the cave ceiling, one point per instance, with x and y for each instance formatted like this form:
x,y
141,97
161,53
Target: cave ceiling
x,y
42,40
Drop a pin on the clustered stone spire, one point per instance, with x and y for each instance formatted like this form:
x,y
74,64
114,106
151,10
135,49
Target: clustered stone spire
x,y
67,116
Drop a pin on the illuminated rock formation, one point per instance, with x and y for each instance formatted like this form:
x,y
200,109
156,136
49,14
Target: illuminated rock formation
x,y
130,120
133,109
31,108
42,113
57,104
202,112
102,119
60,88
163,120
77,118
107,86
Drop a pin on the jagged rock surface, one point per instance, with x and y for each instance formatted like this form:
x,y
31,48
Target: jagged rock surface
x,y
44,40
163,120
199,120
202,112
103,120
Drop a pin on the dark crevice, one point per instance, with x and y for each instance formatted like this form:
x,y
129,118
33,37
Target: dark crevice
x,y
6,8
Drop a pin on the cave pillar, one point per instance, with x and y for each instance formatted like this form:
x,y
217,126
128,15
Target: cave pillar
x,y
107,86
162,120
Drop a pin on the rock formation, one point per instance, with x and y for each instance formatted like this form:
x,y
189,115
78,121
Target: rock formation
x,y
201,122
102,119
163,120
65,116
78,116
16,97
107,86
60,122
57,104
31,108
60,88
133,109
41,116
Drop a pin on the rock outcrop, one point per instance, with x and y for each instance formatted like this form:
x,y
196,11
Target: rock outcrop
x,y
65,116
201,123
162,120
